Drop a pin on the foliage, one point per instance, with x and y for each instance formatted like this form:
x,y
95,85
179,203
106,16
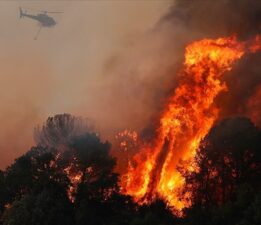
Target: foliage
x,y
76,184
229,156
226,189
49,207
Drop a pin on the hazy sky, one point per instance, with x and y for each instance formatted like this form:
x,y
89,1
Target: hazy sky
x,y
63,70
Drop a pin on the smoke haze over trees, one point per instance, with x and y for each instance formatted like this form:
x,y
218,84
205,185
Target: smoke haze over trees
x,y
133,67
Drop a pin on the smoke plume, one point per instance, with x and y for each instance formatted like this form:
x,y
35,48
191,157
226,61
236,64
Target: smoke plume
x,y
124,86
139,78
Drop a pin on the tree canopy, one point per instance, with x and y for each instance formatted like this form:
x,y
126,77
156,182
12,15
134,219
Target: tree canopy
x,y
68,178
228,180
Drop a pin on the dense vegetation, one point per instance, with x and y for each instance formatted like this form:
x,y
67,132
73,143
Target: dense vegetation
x,y
34,189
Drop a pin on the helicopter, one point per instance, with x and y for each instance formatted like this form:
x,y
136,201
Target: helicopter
x,y
43,18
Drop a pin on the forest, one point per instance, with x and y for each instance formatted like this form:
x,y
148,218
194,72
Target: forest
x,y
69,178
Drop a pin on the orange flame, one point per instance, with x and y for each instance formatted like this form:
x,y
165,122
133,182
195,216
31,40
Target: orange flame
x,y
188,116
75,176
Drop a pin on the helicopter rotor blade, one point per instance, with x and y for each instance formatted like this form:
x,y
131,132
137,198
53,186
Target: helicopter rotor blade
x,y
43,11
50,12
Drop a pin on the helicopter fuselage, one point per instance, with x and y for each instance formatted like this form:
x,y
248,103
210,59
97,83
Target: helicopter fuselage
x,y
42,18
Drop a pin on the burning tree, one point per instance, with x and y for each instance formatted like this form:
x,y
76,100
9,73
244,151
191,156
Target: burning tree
x,y
71,174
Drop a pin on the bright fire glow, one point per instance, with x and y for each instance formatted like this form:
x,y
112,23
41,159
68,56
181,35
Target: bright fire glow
x,y
187,117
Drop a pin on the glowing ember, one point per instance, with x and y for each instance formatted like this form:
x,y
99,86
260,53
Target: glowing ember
x,y
75,177
127,139
188,116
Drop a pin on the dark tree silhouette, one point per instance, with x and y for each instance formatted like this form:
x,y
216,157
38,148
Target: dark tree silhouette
x,y
227,157
228,182
97,199
37,190
156,213
69,178
32,172
3,191
49,207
